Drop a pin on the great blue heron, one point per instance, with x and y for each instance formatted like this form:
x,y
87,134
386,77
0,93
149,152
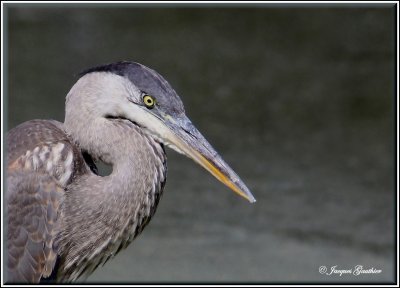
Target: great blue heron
x,y
64,220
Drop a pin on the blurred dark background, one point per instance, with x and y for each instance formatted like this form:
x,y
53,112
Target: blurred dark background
x,y
299,100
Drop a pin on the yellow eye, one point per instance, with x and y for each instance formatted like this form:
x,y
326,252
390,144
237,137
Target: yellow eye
x,y
149,101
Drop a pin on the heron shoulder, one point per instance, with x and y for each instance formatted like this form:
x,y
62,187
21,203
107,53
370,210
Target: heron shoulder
x,y
43,146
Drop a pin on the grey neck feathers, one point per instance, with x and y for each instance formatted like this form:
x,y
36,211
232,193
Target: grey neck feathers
x,y
108,212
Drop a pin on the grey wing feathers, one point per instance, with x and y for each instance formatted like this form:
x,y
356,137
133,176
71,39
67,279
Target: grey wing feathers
x,y
42,161
42,145
32,225
32,134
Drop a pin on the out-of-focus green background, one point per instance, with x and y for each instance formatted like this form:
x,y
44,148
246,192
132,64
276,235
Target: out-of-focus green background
x,y
298,99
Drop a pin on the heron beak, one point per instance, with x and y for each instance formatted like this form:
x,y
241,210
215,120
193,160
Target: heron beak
x,y
188,140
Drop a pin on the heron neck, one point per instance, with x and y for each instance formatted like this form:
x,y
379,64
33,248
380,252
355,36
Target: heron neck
x,y
138,162
108,212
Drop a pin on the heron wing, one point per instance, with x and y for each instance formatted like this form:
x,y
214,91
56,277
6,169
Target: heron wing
x,y
31,134
33,208
42,161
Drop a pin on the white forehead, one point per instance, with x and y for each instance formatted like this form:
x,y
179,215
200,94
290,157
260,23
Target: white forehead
x,y
97,85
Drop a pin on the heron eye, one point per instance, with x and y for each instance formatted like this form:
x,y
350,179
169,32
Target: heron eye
x,y
149,101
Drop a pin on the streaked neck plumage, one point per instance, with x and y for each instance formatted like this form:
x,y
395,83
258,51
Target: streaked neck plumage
x,y
109,211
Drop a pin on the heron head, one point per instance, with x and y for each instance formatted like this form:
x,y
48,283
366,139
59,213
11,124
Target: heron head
x,y
139,94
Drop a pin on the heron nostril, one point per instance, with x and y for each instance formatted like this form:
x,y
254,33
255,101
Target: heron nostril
x,y
189,133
